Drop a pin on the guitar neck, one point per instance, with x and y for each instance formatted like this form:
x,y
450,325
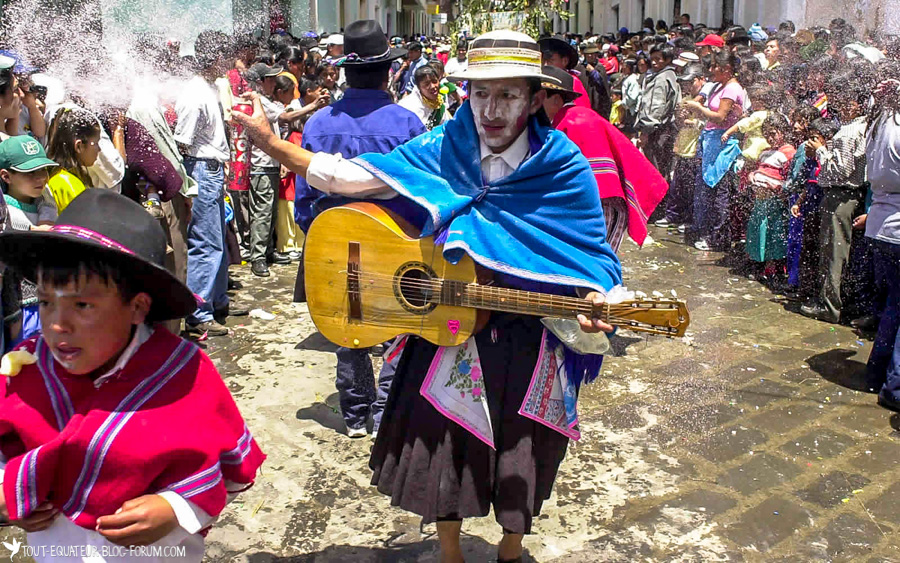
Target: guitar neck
x,y
502,299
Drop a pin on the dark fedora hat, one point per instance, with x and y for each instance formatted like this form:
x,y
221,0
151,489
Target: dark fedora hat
x,y
566,86
366,44
738,36
559,44
101,224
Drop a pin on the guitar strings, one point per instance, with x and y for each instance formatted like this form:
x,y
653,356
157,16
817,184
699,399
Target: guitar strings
x,y
402,318
525,298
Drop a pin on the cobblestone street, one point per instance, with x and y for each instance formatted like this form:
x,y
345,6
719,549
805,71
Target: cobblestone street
x,y
748,440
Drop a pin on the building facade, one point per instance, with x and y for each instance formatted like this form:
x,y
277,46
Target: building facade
x,y
601,16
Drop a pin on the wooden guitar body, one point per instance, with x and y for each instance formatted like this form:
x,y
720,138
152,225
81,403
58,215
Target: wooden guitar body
x,y
384,249
369,279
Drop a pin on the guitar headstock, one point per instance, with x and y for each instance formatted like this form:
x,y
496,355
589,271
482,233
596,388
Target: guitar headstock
x,y
656,315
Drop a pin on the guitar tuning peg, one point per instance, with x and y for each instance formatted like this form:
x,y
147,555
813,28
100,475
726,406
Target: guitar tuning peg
x,y
657,294
640,295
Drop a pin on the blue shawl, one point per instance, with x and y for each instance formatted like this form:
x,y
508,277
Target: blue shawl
x,y
543,222
717,157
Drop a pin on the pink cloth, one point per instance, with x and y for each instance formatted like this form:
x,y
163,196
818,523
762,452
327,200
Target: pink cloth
x,y
583,100
166,421
618,166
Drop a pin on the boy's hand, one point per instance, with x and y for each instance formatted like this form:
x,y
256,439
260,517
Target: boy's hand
x,y
859,223
725,137
40,519
795,211
140,521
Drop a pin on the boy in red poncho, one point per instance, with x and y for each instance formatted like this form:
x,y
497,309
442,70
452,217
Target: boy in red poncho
x,y
114,432
630,186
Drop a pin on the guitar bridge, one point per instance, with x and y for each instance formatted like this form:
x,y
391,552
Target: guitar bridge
x,y
353,292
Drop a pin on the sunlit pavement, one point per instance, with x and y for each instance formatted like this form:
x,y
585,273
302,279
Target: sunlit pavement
x,y
748,440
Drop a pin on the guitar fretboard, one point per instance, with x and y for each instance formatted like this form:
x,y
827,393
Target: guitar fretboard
x,y
508,300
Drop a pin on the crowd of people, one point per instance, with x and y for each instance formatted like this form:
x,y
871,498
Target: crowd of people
x,y
777,147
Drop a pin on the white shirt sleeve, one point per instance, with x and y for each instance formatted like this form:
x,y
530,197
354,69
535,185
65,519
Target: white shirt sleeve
x,y
191,517
109,169
331,174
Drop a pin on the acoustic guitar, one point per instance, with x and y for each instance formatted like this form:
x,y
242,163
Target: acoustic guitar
x,y
369,278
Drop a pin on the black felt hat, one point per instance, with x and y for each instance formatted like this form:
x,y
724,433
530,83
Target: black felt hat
x,y
366,44
559,44
102,224
566,86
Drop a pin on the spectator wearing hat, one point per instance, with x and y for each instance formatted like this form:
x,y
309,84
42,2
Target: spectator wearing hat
x,y
264,180
611,61
365,120
737,37
594,87
710,44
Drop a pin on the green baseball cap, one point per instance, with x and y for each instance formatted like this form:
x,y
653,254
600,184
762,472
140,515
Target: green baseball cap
x,y
23,154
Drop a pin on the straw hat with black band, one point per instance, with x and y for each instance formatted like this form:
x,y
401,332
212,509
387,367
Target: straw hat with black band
x,y
502,54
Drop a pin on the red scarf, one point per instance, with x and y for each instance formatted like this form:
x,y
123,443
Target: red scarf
x,y
619,167
165,422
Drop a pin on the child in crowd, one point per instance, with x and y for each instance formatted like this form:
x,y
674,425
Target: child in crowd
x,y
288,237
617,114
128,433
23,175
73,143
679,204
754,142
327,74
767,226
804,197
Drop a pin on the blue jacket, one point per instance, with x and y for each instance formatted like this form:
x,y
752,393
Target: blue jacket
x,y
363,121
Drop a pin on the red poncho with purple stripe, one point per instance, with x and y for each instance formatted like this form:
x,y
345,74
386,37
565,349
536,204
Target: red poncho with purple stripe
x,y
165,422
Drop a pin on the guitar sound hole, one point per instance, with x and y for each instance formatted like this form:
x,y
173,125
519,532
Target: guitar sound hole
x,y
414,290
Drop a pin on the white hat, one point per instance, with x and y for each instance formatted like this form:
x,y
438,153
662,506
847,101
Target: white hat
x,y
503,54
335,39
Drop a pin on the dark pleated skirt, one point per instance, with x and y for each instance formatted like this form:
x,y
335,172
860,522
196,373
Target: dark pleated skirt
x,y
433,467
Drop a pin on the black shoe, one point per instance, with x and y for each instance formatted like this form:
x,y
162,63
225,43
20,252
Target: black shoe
x,y
278,258
234,285
819,313
259,268
211,328
868,323
888,403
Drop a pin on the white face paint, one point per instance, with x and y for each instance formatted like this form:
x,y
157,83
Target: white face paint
x,y
501,109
